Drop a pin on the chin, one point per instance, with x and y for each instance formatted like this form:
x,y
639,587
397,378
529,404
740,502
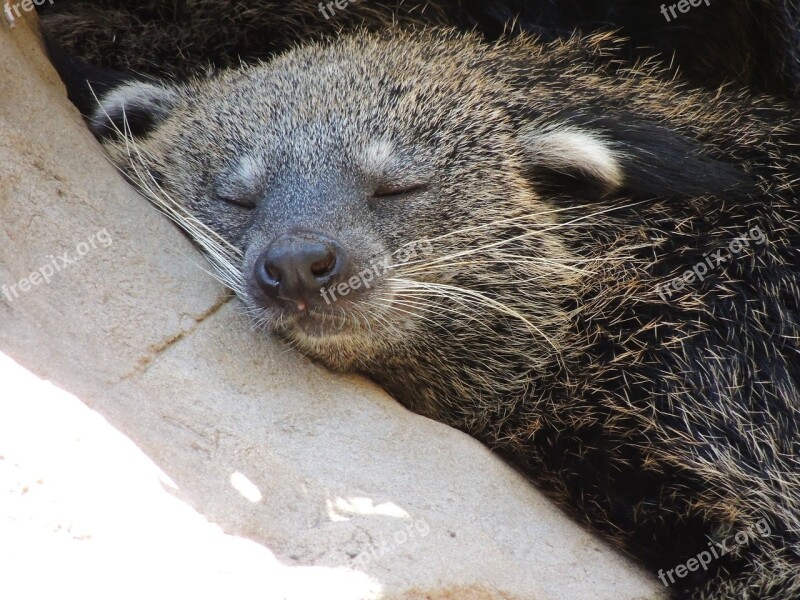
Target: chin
x,y
338,343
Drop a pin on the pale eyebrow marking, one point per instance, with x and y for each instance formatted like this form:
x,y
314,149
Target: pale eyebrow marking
x,y
248,172
377,156
244,178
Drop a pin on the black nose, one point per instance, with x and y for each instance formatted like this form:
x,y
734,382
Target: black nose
x,y
295,267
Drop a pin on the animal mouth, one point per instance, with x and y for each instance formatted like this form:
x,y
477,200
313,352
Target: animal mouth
x,y
319,324
341,321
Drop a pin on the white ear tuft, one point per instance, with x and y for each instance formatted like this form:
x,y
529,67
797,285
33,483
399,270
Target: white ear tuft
x,y
573,150
137,105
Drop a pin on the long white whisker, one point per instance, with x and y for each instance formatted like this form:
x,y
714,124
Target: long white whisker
x,y
535,232
222,255
482,298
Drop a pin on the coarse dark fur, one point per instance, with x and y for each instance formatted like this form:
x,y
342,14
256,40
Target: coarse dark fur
x,y
547,210
753,42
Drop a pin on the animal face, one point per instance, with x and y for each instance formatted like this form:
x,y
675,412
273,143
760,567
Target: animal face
x,y
361,189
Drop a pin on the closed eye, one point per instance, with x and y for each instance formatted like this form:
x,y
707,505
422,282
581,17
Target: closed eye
x,y
240,201
391,190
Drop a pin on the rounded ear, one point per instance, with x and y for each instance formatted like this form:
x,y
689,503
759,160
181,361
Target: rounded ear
x,y
624,154
132,109
574,152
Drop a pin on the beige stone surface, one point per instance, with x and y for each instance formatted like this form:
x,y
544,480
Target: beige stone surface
x,y
153,445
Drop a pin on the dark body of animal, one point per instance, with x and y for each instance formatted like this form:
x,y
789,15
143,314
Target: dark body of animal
x,y
595,268
754,42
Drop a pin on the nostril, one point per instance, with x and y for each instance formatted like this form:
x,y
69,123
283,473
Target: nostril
x,y
273,273
267,275
324,266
